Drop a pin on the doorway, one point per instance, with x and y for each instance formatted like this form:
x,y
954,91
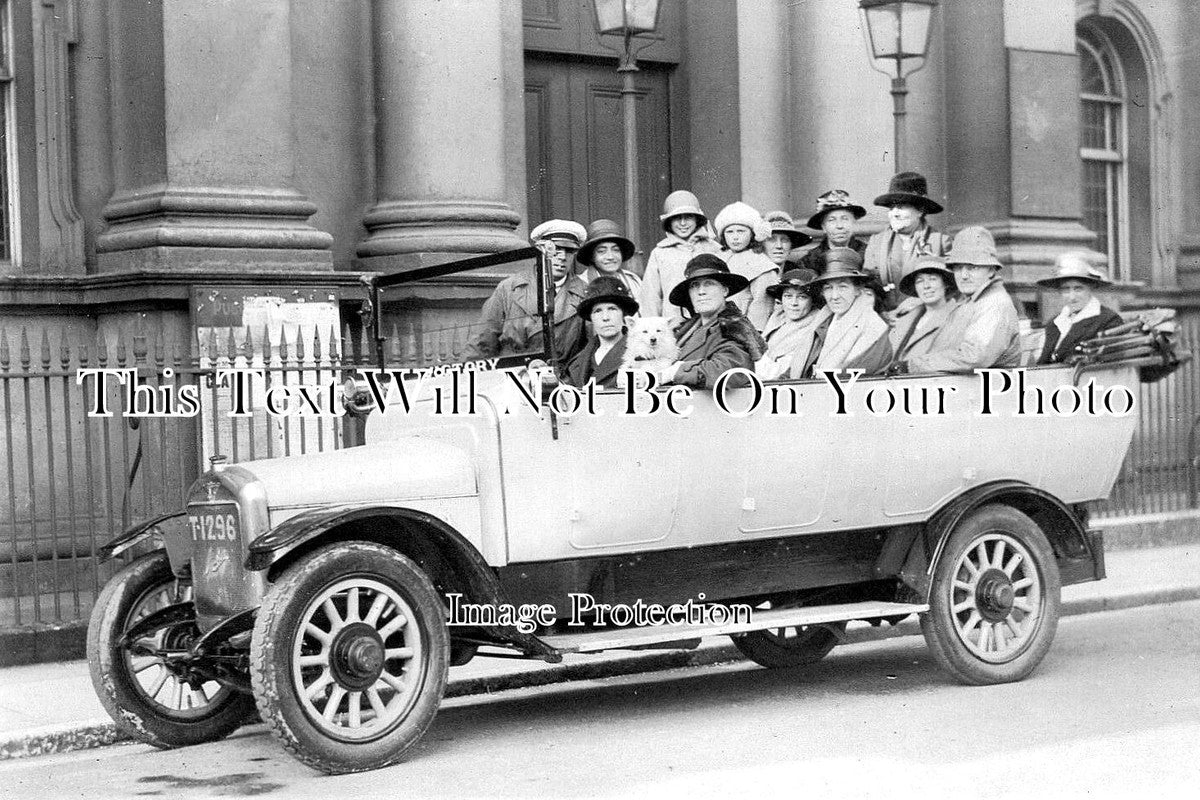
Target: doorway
x,y
575,146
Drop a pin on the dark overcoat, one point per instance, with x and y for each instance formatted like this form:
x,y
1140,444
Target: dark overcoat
x,y
1055,351
583,366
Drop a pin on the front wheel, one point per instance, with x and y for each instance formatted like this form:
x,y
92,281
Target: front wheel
x,y
349,657
151,693
994,599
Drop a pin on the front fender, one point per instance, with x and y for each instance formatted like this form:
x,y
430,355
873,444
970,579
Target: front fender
x,y
414,533
170,528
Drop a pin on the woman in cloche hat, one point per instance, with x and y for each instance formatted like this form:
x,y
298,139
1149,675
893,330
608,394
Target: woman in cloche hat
x,y
982,331
801,310
930,281
1082,316
907,236
686,227
853,336
716,337
605,253
606,305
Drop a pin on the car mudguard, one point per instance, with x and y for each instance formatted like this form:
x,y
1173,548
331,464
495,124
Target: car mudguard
x,y
414,533
170,527
1067,534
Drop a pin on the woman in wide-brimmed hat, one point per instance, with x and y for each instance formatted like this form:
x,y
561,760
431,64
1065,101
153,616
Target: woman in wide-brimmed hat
x,y
606,305
1082,316
835,217
907,236
792,325
716,337
929,280
686,226
982,331
605,252
853,336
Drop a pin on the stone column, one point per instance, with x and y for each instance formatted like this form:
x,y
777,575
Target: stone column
x,y
441,149
203,141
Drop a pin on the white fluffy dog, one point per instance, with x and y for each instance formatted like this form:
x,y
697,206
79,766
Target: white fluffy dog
x,y
650,346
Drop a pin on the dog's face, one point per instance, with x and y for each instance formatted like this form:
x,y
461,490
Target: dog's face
x,y
651,337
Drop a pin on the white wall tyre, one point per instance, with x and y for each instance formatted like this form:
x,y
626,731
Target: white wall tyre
x,y
151,698
994,599
349,657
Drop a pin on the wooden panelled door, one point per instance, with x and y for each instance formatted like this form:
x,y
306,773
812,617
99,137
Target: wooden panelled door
x,y
575,145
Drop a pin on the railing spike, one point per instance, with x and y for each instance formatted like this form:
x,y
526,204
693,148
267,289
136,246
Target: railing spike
x,y
45,350
24,356
5,356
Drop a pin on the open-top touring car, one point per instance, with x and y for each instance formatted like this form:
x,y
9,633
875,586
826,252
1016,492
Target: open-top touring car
x,y
320,588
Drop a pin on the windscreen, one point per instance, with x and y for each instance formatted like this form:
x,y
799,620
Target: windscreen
x,y
487,316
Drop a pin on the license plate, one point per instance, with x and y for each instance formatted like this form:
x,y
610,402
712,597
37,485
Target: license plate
x,y
217,523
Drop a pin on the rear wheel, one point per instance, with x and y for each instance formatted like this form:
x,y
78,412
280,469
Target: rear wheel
x,y
152,696
778,648
994,600
349,657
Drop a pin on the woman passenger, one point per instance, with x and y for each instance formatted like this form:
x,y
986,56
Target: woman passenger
x,y
605,253
853,336
792,325
907,236
930,281
717,337
835,217
1082,316
606,306
784,238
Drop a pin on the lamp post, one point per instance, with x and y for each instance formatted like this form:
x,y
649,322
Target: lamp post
x,y
898,32
628,19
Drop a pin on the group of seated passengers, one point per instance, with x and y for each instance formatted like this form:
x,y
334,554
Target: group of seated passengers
x,y
908,300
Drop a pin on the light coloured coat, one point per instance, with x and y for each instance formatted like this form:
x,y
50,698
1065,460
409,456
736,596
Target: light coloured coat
x,y
981,332
664,271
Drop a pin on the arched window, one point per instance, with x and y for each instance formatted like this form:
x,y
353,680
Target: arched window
x,y
1103,147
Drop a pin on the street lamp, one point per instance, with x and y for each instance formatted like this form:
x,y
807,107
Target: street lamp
x,y
898,31
628,19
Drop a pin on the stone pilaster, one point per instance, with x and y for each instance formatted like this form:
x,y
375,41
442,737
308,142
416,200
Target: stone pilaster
x,y
1013,137
440,132
203,141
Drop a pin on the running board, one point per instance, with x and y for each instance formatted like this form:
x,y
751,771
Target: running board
x,y
626,638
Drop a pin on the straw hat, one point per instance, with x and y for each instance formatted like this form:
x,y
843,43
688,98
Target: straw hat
x,y
1074,265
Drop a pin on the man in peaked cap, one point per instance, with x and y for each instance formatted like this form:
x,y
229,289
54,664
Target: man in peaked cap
x,y
509,324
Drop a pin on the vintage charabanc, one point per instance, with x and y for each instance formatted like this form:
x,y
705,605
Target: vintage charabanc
x,y
318,589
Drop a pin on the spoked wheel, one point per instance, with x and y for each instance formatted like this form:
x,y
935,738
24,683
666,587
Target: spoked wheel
x,y
994,600
349,657
152,696
795,646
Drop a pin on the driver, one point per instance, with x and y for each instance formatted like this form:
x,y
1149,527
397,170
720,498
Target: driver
x,y
509,322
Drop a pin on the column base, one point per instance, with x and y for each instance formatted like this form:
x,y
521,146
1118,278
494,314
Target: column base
x,y
198,228
1028,247
424,230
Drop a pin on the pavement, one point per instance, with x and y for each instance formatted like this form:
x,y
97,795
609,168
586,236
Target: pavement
x,y
52,708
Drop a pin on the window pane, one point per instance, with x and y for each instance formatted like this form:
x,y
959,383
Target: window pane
x,y
1096,201
1092,127
1091,78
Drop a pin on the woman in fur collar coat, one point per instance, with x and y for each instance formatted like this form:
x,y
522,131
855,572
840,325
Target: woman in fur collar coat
x,y
717,337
